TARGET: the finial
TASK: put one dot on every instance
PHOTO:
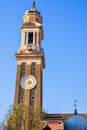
(75, 105)
(33, 4)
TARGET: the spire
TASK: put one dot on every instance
(33, 8)
(33, 5)
(75, 105)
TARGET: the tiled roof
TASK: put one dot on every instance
(60, 116)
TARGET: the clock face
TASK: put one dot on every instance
(28, 82)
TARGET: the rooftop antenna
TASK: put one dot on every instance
(75, 105)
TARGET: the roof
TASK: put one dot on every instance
(32, 10)
(54, 117)
(75, 122)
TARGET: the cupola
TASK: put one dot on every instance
(76, 121)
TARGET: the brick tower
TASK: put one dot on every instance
(30, 61)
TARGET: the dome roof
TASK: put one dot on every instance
(75, 122)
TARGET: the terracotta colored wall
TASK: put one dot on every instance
(56, 126)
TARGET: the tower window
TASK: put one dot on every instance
(32, 97)
(21, 98)
(59, 122)
(23, 67)
(30, 38)
(33, 69)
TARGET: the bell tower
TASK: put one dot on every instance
(30, 60)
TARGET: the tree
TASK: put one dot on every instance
(3, 123)
(21, 117)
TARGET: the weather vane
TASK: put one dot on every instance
(75, 105)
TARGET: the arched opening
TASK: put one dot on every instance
(47, 128)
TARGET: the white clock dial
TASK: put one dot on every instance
(28, 82)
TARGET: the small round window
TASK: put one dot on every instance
(59, 122)
(23, 69)
(32, 97)
(21, 98)
(33, 69)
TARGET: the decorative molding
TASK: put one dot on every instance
(31, 30)
(28, 62)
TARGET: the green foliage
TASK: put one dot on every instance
(33, 119)
(20, 117)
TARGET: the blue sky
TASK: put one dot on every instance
(65, 46)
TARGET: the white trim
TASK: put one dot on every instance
(31, 30)
(23, 39)
(29, 62)
(26, 38)
(34, 38)
(38, 38)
